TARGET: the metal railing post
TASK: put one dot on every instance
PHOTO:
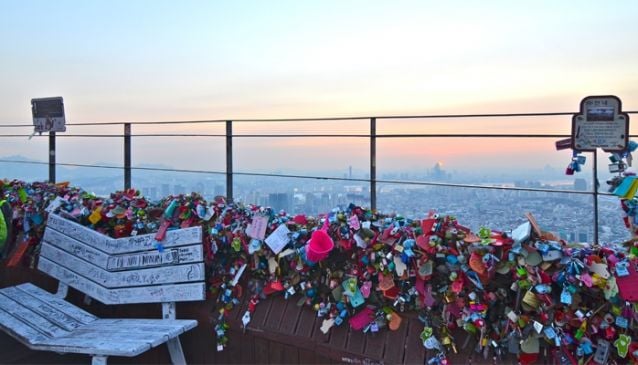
(127, 156)
(52, 157)
(373, 163)
(595, 172)
(229, 160)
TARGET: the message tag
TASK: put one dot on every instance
(238, 274)
(357, 299)
(257, 228)
(549, 332)
(96, 216)
(431, 343)
(622, 322)
(245, 319)
(621, 269)
(361, 243)
(278, 239)
(622, 345)
(530, 345)
(354, 222)
(566, 297)
(361, 319)
(602, 352)
(386, 282)
(55, 204)
(399, 266)
(326, 325)
(600, 269)
(512, 316)
(522, 232)
(538, 327)
(365, 289)
(272, 265)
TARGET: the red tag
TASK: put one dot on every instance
(628, 285)
(161, 233)
(426, 225)
(18, 254)
(361, 319)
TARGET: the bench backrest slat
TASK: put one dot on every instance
(174, 238)
(125, 270)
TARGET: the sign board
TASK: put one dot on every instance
(600, 124)
(48, 115)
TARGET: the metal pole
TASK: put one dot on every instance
(127, 156)
(229, 160)
(373, 163)
(595, 196)
(52, 157)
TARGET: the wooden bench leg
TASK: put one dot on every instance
(176, 352)
(98, 360)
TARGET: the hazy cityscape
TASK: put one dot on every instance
(568, 214)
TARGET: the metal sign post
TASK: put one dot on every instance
(48, 116)
(600, 123)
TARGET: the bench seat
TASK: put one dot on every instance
(129, 270)
(41, 321)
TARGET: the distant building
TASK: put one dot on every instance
(280, 201)
(179, 189)
(580, 184)
(583, 237)
(166, 190)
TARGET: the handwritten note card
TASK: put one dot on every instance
(257, 228)
(278, 239)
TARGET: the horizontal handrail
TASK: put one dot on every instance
(327, 119)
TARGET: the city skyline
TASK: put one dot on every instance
(198, 60)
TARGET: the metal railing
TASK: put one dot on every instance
(373, 136)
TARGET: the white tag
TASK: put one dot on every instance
(361, 243)
(512, 316)
(272, 265)
(286, 252)
(220, 347)
(245, 319)
(431, 343)
(55, 204)
(326, 325)
(278, 239)
(238, 275)
(399, 266)
(538, 327)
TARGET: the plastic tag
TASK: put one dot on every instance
(245, 319)
(399, 266)
(621, 269)
(431, 343)
(96, 216)
(602, 352)
(357, 299)
(55, 204)
(549, 332)
(566, 297)
(622, 322)
(622, 345)
(326, 325)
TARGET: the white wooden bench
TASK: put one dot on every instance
(112, 271)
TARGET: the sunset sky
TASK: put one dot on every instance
(191, 60)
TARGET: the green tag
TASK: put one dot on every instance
(23, 195)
